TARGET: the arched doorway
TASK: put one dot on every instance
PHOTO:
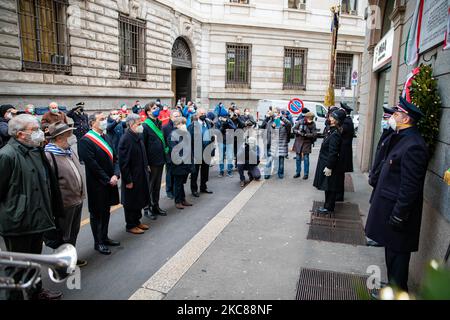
(181, 71)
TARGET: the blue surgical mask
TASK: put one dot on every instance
(156, 113)
(384, 125)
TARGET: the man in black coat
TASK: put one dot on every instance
(346, 152)
(167, 131)
(201, 138)
(157, 152)
(396, 210)
(135, 171)
(330, 169)
(80, 120)
(102, 176)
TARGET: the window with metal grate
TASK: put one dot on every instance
(132, 48)
(44, 36)
(344, 65)
(294, 76)
(238, 65)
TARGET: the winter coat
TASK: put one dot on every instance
(80, 122)
(399, 192)
(114, 131)
(133, 169)
(305, 135)
(278, 138)
(329, 157)
(49, 117)
(27, 191)
(154, 147)
(346, 152)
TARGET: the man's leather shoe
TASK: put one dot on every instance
(47, 295)
(297, 175)
(102, 249)
(206, 191)
(186, 204)
(323, 211)
(195, 194)
(371, 243)
(143, 226)
(161, 212)
(305, 177)
(135, 230)
(179, 206)
(112, 243)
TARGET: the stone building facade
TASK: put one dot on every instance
(110, 52)
(383, 86)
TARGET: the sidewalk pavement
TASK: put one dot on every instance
(255, 247)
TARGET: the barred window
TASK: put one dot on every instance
(349, 7)
(132, 48)
(238, 65)
(344, 65)
(294, 68)
(240, 1)
(297, 4)
(43, 35)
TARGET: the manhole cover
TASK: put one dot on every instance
(317, 284)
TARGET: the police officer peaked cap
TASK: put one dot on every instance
(409, 108)
(346, 107)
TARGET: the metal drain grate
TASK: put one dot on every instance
(344, 226)
(348, 183)
(329, 285)
(343, 210)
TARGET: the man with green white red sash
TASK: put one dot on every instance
(102, 175)
(157, 156)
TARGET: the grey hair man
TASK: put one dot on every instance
(26, 183)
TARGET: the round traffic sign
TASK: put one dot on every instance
(295, 106)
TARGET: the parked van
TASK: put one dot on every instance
(317, 108)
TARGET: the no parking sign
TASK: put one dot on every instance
(295, 106)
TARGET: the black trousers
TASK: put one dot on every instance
(169, 179)
(99, 225)
(330, 200)
(31, 243)
(69, 223)
(178, 188)
(397, 264)
(204, 176)
(132, 217)
(155, 184)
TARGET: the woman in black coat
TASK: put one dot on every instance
(134, 170)
(330, 169)
(181, 161)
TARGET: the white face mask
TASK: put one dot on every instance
(36, 138)
(9, 116)
(103, 124)
(139, 129)
(392, 123)
(71, 140)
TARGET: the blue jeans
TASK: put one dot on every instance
(226, 151)
(298, 161)
(279, 164)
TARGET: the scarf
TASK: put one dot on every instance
(57, 151)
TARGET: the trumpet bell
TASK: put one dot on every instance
(64, 261)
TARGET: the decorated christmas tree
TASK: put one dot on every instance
(425, 95)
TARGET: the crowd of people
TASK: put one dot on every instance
(42, 187)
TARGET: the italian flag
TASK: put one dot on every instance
(413, 40)
(447, 34)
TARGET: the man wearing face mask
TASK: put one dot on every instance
(28, 194)
(29, 109)
(157, 152)
(164, 115)
(115, 128)
(52, 116)
(80, 120)
(134, 170)
(66, 166)
(200, 139)
(167, 131)
(102, 176)
(7, 112)
(395, 213)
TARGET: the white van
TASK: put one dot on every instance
(315, 107)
